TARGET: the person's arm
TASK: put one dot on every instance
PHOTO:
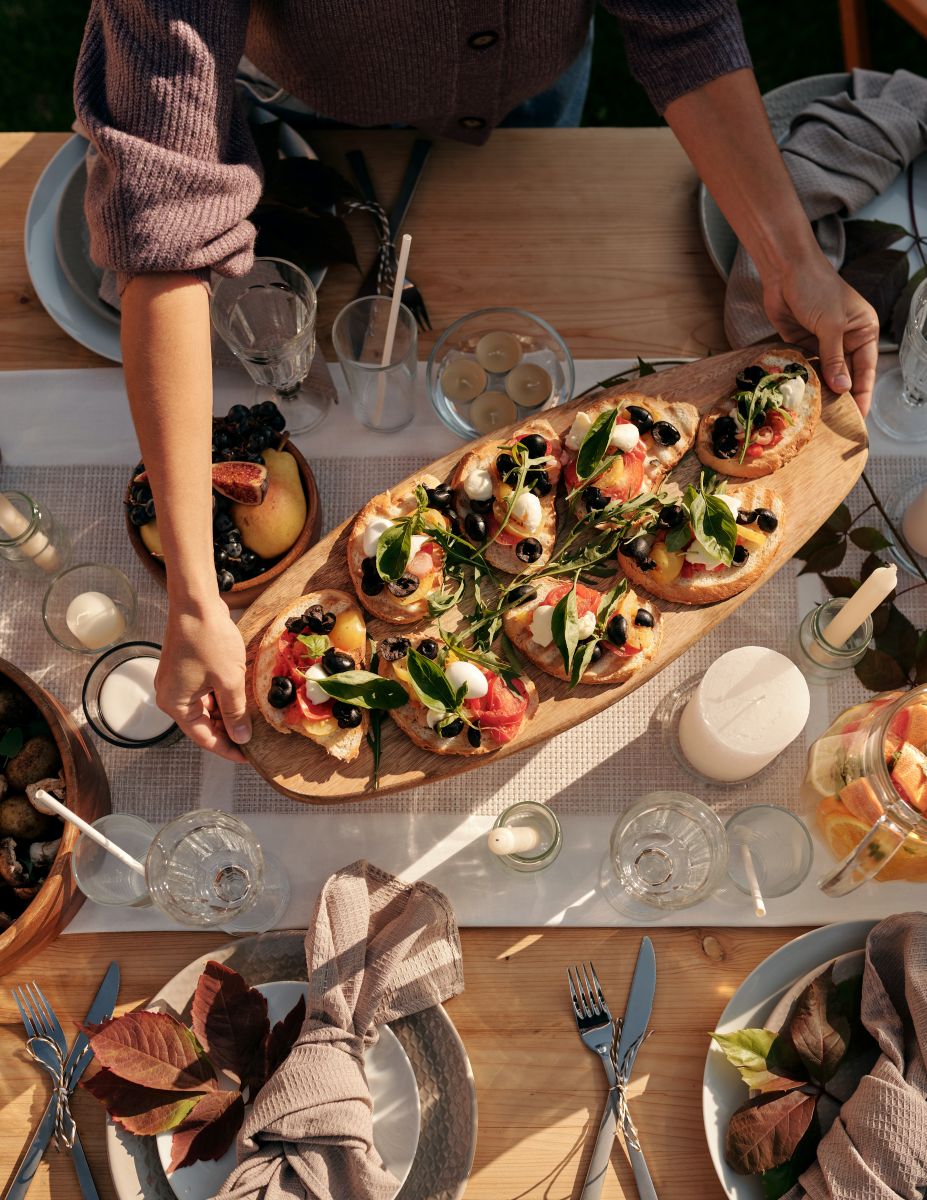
(168, 371)
(724, 129)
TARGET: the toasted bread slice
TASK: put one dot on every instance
(659, 460)
(392, 504)
(343, 744)
(610, 668)
(805, 419)
(504, 556)
(412, 717)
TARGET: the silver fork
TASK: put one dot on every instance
(48, 1046)
(598, 1034)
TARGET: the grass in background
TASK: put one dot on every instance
(39, 40)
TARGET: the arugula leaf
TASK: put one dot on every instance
(364, 689)
(594, 446)
(440, 602)
(421, 497)
(430, 683)
(609, 603)
(375, 732)
(316, 643)
(393, 550)
(581, 660)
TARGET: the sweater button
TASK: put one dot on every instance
(482, 40)
(472, 123)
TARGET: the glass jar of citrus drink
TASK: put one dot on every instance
(866, 790)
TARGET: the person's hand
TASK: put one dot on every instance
(810, 304)
(201, 678)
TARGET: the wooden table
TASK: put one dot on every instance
(607, 248)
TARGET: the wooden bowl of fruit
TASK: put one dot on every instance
(39, 742)
(266, 510)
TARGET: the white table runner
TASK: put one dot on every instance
(67, 438)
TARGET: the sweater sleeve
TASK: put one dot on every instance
(175, 173)
(676, 46)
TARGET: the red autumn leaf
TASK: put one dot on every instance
(765, 1133)
(209, 1130)
(819, 1034)
(152, 1050)
(140, 1110)
(230, 1019)
(282, 1037)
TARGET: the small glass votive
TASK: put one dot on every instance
(31, 539)
(101, 876)
(119, 698)
(89, 608)
(383, 394)
(526, 837)
(818, 660)
(668, 851)
(780, 847)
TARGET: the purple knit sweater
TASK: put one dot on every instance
(176, 173)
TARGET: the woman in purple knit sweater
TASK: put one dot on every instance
(176, 176)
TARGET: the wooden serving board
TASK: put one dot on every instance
(811, 485)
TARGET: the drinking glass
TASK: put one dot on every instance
(119, 699)
(383, 394)
(779, 844)
(668, 851)
(899, 404)
(102, 877)
(267, 319)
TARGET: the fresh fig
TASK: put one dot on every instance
(243, 482)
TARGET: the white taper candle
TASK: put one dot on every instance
(862, 604)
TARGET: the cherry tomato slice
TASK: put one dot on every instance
(587, 599)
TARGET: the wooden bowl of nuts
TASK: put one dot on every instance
(40, 745)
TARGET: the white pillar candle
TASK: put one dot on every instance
(914, 523)
(13, 524)
(751, 703)
(95, 620)
(519, 839)
(529, 385)
(498, 352)
(491, 411)
(462, 380)
(127, 701)
(862, 604)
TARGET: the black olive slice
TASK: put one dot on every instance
(767, 520)
(665, 434)
(404, 586)
(617, 630)
(528, 550)
(741, 554)
(644, 618)
(282, 692)
(640, 417)
(392, 649)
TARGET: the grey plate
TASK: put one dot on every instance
(445, 1081)
(72, 245)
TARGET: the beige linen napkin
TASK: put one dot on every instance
(377, 949)
(877, 1148)
(842, 151)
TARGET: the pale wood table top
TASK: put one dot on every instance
(595, 230)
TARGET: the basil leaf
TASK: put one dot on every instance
(364, 689)
(609, 603)
(316, 643)
(594, 445)
(393, 550)
(564, 625)
(581, 660)
(715, 527)
(677, 539)
(430, 683)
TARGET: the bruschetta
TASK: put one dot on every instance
(506, 494)
(490, 712)
(769, 417)
(316, 636)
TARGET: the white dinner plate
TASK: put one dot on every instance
(752, 1005)
(87, 324)
(393, 1091)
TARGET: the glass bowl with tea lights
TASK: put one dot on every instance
(496, 366)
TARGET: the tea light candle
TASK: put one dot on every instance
(491, 411)
(914, 523)
(529, 385)
(462, 380)
(127, 701)
(498, 352)
(13, 524)
(750, 704)
(95, 620)
(862, 604)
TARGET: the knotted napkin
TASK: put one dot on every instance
(877, 1148)
(842, 152)
(377, 949)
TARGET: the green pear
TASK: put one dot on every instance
(271, 527)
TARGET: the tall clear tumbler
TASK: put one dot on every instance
(383, 394)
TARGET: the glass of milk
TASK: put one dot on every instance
(119, 698)
(90, 608)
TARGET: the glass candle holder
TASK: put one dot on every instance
(31, 539)
(668, 851)
(780, 847)
(102, 877)
(119, 698)
(818, 660)
(89, 608)
(383, 394)
(526, 837)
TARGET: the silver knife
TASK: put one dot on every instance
(100, 1010)
(633, 1030)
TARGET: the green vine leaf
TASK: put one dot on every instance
(899, 640)
(869, 539)
(840, 585)
(818, 541)
(825, 558)
(880, 277)
(864, 237)
(879, 672)
(840, 519)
